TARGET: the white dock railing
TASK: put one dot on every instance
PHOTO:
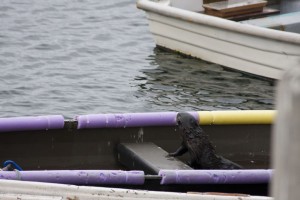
(286, 138)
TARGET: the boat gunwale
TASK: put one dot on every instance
(126, 120)
(64, 191)
(198, 18)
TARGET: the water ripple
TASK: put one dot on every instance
(89, 56)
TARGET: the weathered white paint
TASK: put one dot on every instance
(29, 197)
(286, 148)
(9, 188)
(244, 47)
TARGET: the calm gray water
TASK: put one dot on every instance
(90, 56)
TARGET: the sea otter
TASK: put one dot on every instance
(196, 142)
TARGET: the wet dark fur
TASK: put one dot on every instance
(196, 142)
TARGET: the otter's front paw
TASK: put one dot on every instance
(172, 154)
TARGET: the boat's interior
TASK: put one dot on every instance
(137, 148)
(281, 15)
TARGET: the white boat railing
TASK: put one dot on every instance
(33, 190)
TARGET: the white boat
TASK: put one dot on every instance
(45, 191)
(251, 46)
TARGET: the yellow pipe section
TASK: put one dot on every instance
(227, 117)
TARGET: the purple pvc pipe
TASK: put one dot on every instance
(78, 177)
(128, 120)
(31, 123)
(255, 176)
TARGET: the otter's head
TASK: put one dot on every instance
(186, 122)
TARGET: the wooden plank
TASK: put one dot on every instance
(233, 13)
(265, 12)
(147, 157)
(231, 8)
(210, 1)
(232, 5)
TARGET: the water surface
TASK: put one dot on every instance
(89, 56)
